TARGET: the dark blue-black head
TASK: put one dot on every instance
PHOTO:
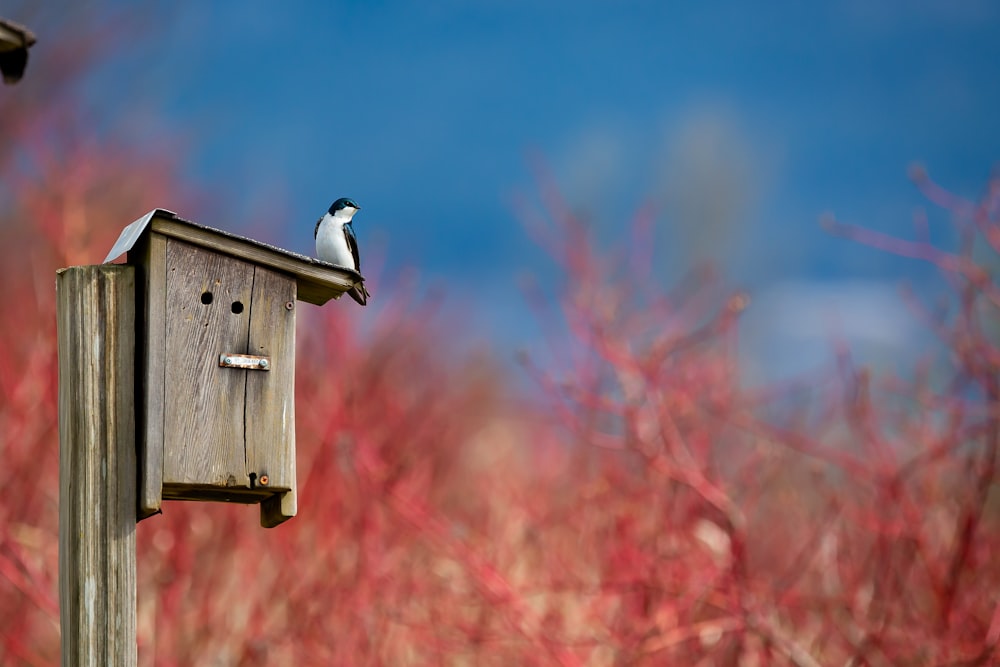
(342, 203)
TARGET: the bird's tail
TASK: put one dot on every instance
(359, 293)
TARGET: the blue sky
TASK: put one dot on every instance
(742, 122)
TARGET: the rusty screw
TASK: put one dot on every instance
(263, 480)
(289, 305)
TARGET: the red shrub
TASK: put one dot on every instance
(647, 509)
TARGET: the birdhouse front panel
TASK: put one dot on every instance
(228, 377)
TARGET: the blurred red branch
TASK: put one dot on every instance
(638, 505)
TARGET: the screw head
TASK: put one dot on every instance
(228, 360)
(263, 363)
(289, 305)
(263, 480)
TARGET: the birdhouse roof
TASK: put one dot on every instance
(318, 281)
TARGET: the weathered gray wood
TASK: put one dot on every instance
(150, 302)
(270, 412)
(203, 442)
(211, 433)
(97, 470)
(270, 408)
(318, 281)
(278, 508)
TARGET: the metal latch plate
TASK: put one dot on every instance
(250, 362)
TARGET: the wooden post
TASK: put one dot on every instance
(97, 469)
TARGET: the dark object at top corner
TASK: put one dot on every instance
(14, 42)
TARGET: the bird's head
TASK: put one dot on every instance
(344, 206)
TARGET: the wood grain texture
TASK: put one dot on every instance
(270, 408)
(211, 433)
(150, 258)
(97, 468)
(318, 282)
(203, 404)
(270, 413)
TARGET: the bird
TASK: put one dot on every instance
(337, 244)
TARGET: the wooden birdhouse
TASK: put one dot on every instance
(215, 362)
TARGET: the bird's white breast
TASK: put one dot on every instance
(331, 244)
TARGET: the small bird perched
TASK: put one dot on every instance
(336, 243)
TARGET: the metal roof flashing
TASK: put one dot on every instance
(133, 232)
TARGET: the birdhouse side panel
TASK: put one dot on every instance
(207, 314)
(149, 258)
(270, 413)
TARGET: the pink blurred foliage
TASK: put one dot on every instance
(641, 506)
(856, 529)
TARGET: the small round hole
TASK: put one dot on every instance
(206, 298)
(237, 307)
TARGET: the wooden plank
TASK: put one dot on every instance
(270, 413)
(318, 281)
(151, 292)
(278, 508)
(207, 313)
(97, 499)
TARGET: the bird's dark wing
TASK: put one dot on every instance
(316, 230)
(358, 292)
(352, 243)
